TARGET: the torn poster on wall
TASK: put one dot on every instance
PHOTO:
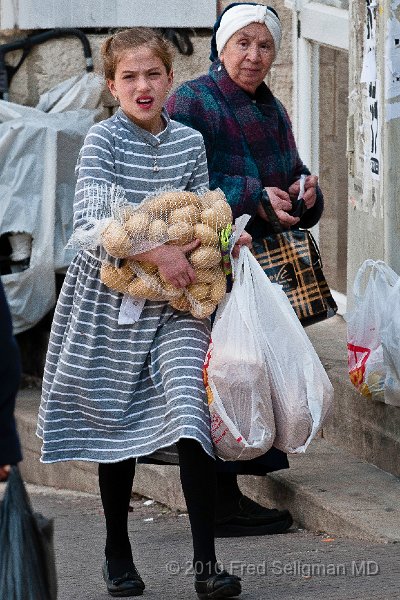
(369, 77)
(392, 58)
(392, 64)
(368, 73)
(375, 138)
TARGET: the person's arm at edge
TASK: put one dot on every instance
(10, 449)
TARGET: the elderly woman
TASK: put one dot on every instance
(250, 148)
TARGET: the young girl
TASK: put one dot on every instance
(111, 392)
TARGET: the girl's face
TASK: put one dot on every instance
(141, 84)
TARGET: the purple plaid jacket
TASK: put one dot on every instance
(231, 123)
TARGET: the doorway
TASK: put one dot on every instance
(321, 110)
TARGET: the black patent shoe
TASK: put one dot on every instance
(128, 584)
(222, 585)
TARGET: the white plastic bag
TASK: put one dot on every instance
(301, 392)
(81, 91)
(373, 285)
(235, 375)
(390, 336)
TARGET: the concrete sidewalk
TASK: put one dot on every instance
(298, 565)
(327, 489)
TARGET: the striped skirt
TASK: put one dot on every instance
(112, 392)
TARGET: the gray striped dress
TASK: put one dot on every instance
(110, 391)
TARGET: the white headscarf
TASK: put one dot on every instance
(240, 16)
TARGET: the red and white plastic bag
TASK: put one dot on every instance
(265, 382)
(369, 319)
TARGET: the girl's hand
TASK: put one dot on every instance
(245, 239)
(281, 203)
(172, 263)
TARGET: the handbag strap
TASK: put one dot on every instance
(298, 210)
(269, 211)
(277, 227)
(315, 247)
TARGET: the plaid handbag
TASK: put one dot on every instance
(292, 259)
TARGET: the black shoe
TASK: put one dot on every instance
(222, 585)
(129, 584)
(253, 519)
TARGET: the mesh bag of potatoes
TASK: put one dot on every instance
(172, 217)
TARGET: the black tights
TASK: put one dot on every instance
(197, 472)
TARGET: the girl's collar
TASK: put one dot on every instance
(149, 138)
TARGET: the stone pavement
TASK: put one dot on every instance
(298, 565)
(327, 489)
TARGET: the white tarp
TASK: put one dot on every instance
(38, 153)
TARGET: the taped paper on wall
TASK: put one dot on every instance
(392, 58)
(368, 73)
(375, 138)
(369, 76)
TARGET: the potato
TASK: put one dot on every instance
(181, 304)
(188, 214)
(116, 278)
(218, 290)
(207, 236)
(126, 268)
(172, 292)
(199, 291)
(224, 207)
(164, 203)
(161, 204)
(153, 280)
(211, 197)
(140, 289)
(137, 224)
(204, 258)
(204, 309)
(180, 233)
(147, 267)
(186, 198)
(205, 275)
(158, 231)
(215, 218)
(115, 240)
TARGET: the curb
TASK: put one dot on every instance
(326, 489)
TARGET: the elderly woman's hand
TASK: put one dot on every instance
(245, 239)
(310, 191)
(281, 203)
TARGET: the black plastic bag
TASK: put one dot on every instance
(27, 565)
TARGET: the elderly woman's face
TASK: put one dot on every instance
(248, 55)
